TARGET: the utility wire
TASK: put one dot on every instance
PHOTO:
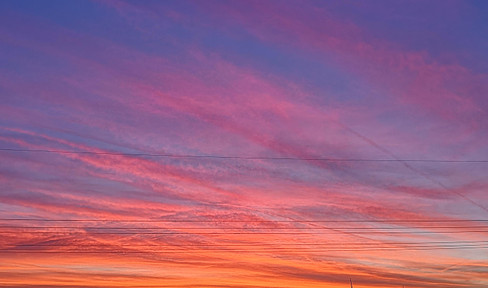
(122, 252)
(241, 228)
(243, 221)
(266, 245)
(246, 233)
(236, 157)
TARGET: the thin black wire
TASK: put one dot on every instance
(259, 250)
(268, 245)
(242, 221)
(246, 233)
(367, 249)
(241, 228)
(253, 247)
(195, 156)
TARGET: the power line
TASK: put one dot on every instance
(247, 233)
(236, 157)
(167, 248)
(367, 249)
(243, 221)
(241, 228)
(278, 245)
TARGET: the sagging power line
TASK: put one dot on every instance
(237, 157)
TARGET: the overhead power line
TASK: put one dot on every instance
(244, 232)
(274, 247)
(274, 250)
(237, 157)
(242, 228)
(269, 245)
(245, 221)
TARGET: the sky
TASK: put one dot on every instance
(243, 144)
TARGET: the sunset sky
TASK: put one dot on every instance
(243, 144)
